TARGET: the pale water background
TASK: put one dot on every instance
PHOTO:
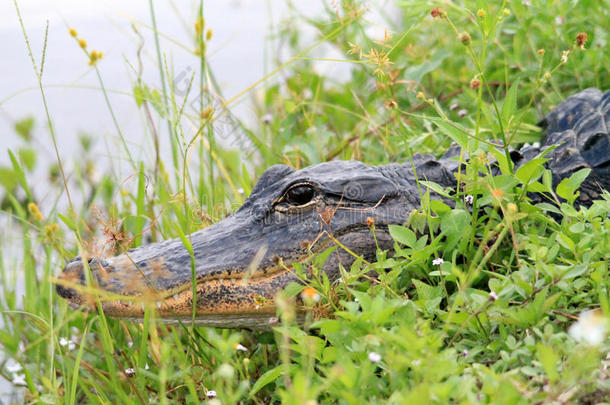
(243, 48)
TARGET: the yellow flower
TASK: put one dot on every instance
(481, 13)
(82, 43)
(199, 24)
(208, 34)
(73, 32)
(206, 112)
(33, 208)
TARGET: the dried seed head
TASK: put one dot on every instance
(581, 40)
(391, 103)
(541, 51)
(475, 83)
(437, 12)
(465, 38)
(370, 222)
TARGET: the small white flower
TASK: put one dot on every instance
(240, 190)
(564, 56)
(462, 113)
(374, 357)
(12, 366)
(65, 342)
(493, 296)
(590, 328)
(267, 118)
(438, 261)
(454, 106)
(526, 3)
(19, 379)
(465, 353)
(240, 347)
(211, 394)
(469, 199)
(307, 94)
(129, 344)
(130, 372)
(146, 366)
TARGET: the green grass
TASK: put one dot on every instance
(488, 325)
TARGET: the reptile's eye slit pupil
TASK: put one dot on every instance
(300, 195)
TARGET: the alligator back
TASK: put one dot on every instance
(580, 125)
(580, 129)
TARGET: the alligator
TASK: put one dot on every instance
(240, 263)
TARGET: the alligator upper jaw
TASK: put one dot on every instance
(236, 273)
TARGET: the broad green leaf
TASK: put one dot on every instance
(267, 378)
(402, 235)
(458, 134)
(530, 171)
(24, 128)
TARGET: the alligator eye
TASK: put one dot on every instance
(300, 195)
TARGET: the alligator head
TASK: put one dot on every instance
(241, 262)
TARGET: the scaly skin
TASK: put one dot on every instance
(244, 260)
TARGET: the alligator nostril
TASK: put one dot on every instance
(72, 273)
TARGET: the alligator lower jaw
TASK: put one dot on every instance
(229, 302)
(257, 321)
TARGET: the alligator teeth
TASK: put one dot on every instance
(159, 303)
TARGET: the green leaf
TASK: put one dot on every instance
(510, 103)
(417, 71)
(20, 175)
(67, 221)
(458, 134)
(548, 359)
(402, 235)
(567, 188)
(455, 225)
(8, 180)
(427, 292)
(24, 128)
(267, 378)
(531, 171)
(436, 188)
